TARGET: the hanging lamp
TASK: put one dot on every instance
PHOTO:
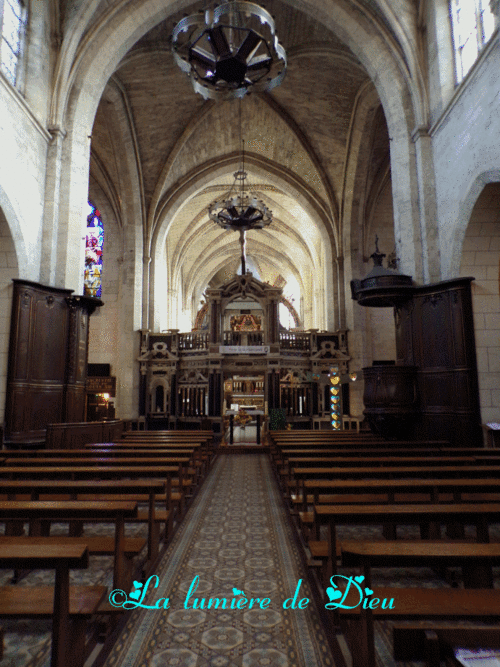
(240, 209)
(230, 51)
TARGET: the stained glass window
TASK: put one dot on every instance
(93, 253)
(473, 25)
(12, 29)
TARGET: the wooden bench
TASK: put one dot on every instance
(93, 460)
(89, 472)
(101, 462)
(330, 492)
(476, 560)
(116, 511)
(434, 642)
(135, 490)
(481, 515)
(109, 450)
(82, 472)
(432, 604)
(69, 606)
(374, 463)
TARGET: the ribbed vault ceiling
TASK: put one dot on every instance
(185, 151)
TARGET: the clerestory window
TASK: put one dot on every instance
(473, 24)
(13, 18)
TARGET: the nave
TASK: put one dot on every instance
(236, 537)
(236, 534)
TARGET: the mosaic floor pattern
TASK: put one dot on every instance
(235, 544)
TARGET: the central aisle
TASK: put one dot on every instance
(235, 537)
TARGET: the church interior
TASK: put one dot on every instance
(249, 341)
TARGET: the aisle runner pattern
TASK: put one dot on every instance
(235, 536)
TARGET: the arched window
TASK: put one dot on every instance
(93, 253)
(473, 25)
(13, 18)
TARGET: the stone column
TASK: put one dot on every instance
(428, 208)
(51, 209)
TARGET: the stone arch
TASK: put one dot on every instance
(205, 175)
(9, 268)
(464, 214)
(480, 260)
(84, 70)
(292, 310)
(30, 269)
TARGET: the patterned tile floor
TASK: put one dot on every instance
(235, 539)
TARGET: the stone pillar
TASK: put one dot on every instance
(341, 310)
(73, 197)
(51, 209)
(406, 204)
(428, 208)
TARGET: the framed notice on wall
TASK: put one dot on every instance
(101, 385)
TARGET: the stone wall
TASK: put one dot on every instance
(480, 259)
(466, 154)
(8, 270)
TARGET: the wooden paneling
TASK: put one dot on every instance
(47, 360)
(75, 436)
(435, 333)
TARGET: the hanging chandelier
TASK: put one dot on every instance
(230, 51)
(240, 209)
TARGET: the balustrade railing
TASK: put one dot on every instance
(193, 341)
(295, 341)
(243, 337)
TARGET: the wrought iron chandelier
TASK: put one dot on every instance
(240, 209)
(230, 51)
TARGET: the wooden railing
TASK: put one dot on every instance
(76, 435)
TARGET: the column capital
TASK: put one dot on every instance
(56, 132)
(421, 132)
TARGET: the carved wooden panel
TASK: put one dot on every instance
(445, 352)
(47, 360)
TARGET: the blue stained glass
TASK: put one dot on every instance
(93, 253)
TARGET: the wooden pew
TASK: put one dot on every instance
(94, 460)
(95, 450)
(135, 490)
(293, 463)
(116, 511)
(82, 472)
(476, 560)
(69, 607)
(188, 433)
(102, 462)
(375, 491)
(88, 472)
(480, 514)
(434, 642)
(422, 604)
(396, 472)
